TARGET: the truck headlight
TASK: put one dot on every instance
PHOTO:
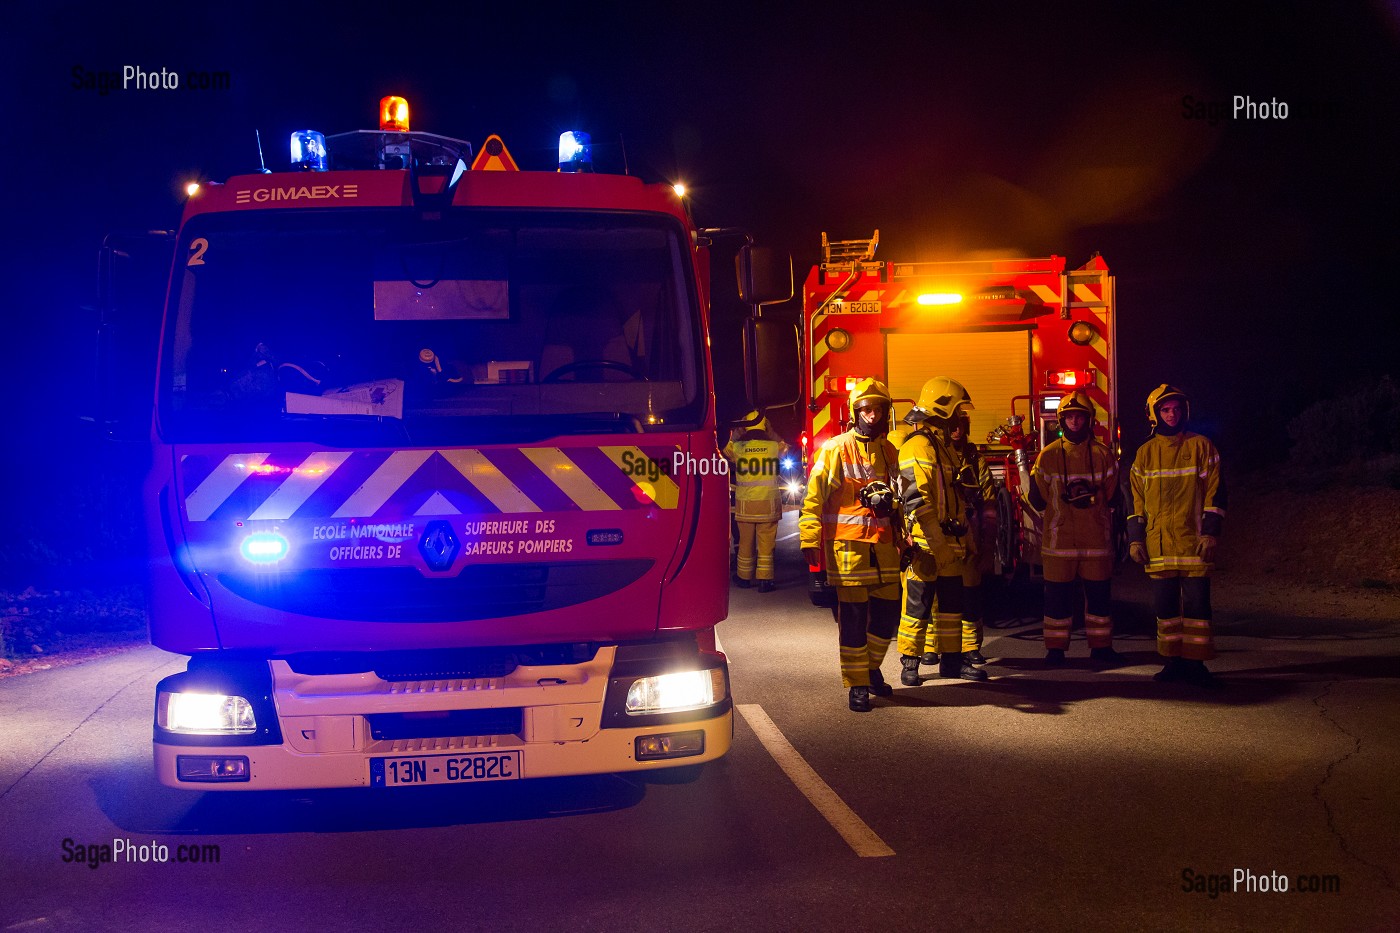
(674, 693)
(205, 714)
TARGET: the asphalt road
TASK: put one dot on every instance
(1041, 800)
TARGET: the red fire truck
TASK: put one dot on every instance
(1018, 333)
(435, 493)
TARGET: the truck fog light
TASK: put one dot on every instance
(673, 693)
(205, 714)
(673, 745)
(211, 770)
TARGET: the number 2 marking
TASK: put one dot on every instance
(197, 248)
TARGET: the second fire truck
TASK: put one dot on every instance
(1018, 333)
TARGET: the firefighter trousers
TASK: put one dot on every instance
(866, 618)
(1182, 606)
(1062, 598)
(972, 608)
(763, 535)
(933, 592)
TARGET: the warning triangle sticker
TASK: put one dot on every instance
(494, 157)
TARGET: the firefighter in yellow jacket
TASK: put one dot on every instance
(755, 459)
(847, 526)
(1178, 508)
(935, 515)
(1073, 483)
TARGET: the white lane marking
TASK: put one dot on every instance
(793, 535)
(842, 818)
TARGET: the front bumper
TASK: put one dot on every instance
(330, 727)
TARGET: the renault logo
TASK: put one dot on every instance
(439, 546)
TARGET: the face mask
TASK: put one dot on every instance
(1078, 494)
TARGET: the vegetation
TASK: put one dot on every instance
(1352, 439)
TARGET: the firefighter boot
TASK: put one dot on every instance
(930, 658)
(765, 586)
(878, 687)
(860, 699)
(741, 583)
(975, 656)
(1106, 655)
(1055, 657)
(909, 670)
(1171, 670)
(952, 664)
(1196, 674)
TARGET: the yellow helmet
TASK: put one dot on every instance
(1078, 400)
(760, 425)
(941, 398)
(1161, 394)
(870, 392)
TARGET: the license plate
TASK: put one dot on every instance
(444, 769)
(853, 307)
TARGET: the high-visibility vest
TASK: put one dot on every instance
(756, 467)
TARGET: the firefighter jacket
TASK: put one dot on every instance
(860, 547)
(1178, 496)
(978, 556)
(1062, 469)
(935, 514)
(755, 463)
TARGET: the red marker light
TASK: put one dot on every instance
(1068, 378)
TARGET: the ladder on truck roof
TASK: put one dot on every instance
(843, 254)
(849, 256)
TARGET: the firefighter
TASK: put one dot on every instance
(848, 520)
(1178, 509)
(935, 515)
(1072, 483)
(755, 459)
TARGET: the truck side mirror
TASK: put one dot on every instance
(133, 269)
(765, 275)
(772, 357)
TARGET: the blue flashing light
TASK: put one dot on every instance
(789, 463)
(263, 547)
(575, 152)
(308, 151)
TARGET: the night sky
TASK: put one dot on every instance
(1254, 257)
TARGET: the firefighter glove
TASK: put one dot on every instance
(1205, 548)
(1138, 552)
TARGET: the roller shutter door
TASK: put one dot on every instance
(995, 366)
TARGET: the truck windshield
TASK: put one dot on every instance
(381, 327)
